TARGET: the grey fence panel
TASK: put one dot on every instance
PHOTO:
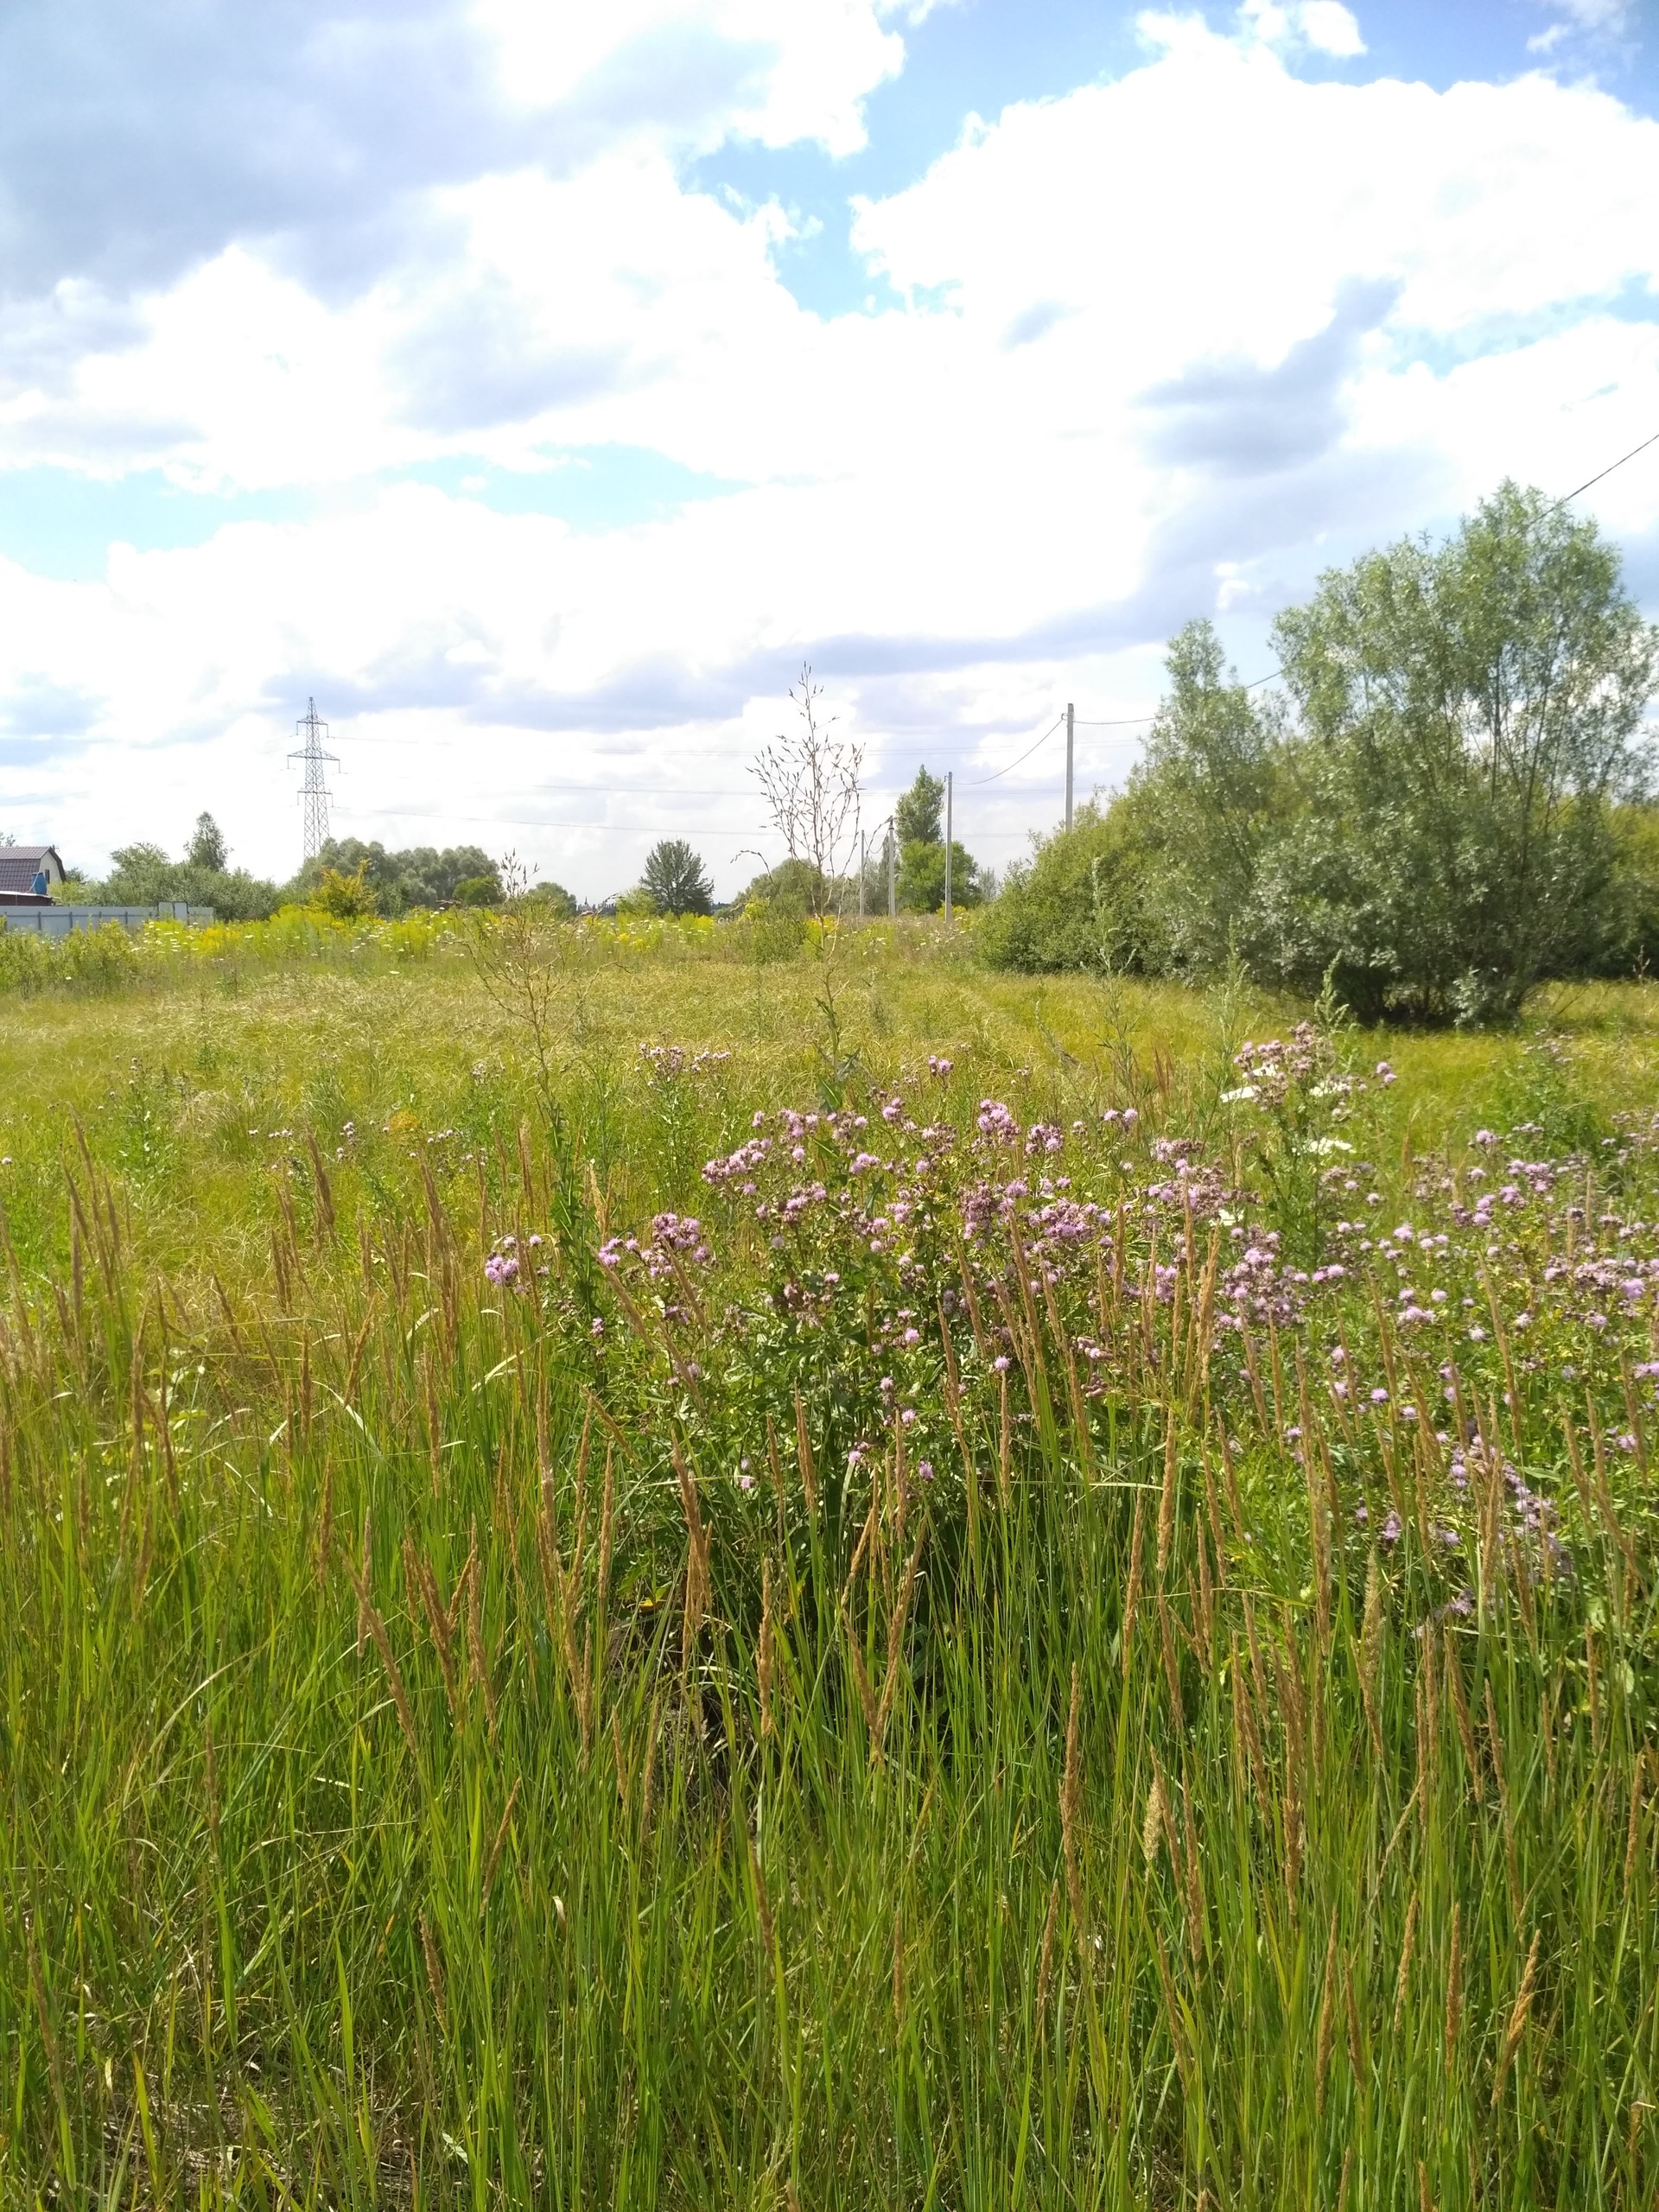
(59, 921)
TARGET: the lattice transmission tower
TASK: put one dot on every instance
(313, 792)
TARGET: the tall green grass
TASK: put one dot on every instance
(440, 1769)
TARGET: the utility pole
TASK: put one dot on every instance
(863, 862)
(313, 792)
(893, 874)
(1070, 714)
(947, 844)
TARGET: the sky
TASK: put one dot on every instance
(539, 387)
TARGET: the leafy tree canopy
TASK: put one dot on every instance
(1437, 811)
(917, 817)
(921, 877)
(420, 875)
(207, 847)
(677, 880)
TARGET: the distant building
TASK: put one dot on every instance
(29, 874)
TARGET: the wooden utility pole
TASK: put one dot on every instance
(1070, 714)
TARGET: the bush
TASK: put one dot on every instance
(1081, 901)
(1443, 812)
(344, 898)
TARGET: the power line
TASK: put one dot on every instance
(1619, 463)
(315, 793)
(631, 829)
(1136, 721)
(1013, 764)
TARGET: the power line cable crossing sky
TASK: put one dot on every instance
(617, 363)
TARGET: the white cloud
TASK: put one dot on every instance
(1329, 26)
(1204, 328)
(806, 64)
(1325, 25)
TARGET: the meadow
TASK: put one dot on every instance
(612, 1595)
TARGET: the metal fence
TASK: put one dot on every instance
(59, 921)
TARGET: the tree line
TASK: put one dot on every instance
(347, 877)
(1446, 800)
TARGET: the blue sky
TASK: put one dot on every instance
(538, 386)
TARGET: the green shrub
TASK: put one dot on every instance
(1084, 899)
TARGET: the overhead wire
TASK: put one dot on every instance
(980, 780)
(1079, 721)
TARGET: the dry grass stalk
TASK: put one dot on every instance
(861, 1683)
(1402, 1981)
(1132, 1590)
(370, 1613)
(1157, 1813)
(1244, 1728)
(1192, 1877)
(765, 1656)
(1370, 1648)
(1005, 1447)
(500, 1844)
(1205, 1629)
(1356, 2038)
(1172, 2008)
(434, 1971)
(559, 1588)
(1459, 1704)
(1166, 1499)
(322, 1192)
(1327, 2020)
(1072, 1813)
(1518, 2014)
(649, 1783)
(896, 1631)
(1045, 1959)
(478, 1657)
(1634, 1835)
(762, 1903)
(1172, 1662)
(696, 1557)
(419, 1578)
(804, 1454)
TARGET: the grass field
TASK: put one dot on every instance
(601, 1608)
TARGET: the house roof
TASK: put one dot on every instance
(20, 864)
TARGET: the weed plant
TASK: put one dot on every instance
(1074, 1627)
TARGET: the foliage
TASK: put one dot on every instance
(1469, 711)
(921, 878)
(552, 900)
(677, 880)
(794, 887)
(1434, 815)
(208, 848)
(419, 876)
(956, 1668)
(1082, 900)
(346, 898)
(918, 819)
(142, 875)
(479, 890)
